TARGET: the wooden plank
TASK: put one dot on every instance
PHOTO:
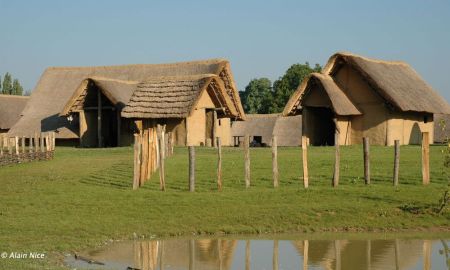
(144, 157)
(41, 143)
(23, 144)
(427, 254)
(396, 161)
(31, 148)
(36, 142)
(275, 162)
(247, 254)
(16, 145)
(219, 163)
(305, 161)
(366, 154)
(425, 158)
(191, 168)
(1, 145)
(305, 254)
(150, 153)
(99, 119)
(137, 165)
(247, 160)
(9, 145)
(337, 160)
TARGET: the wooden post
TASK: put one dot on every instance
(305, 254)
(9, 145)
(36, 142)
(137, 161)
(366, 152)
(191, 168)
(425, 158)
(16, 145)
(162, 181)
(46, 140)
(337, 253)
(150, 153)
(275, 161)
(99, 118)
(247, 255)
(219, 164)
(161, 255)
(369, 254)
(31, 148)
(214, 131)
(337, 159)
(396, 161)
(305, 161)
(1, 145)
(54, 141)
(275, 255)
(397, 254)
(247, 160)
(119, 128)
(144, 155)
(41, 143)
(23, 144)
(219, 250)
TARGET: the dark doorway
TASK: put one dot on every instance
(320, 125)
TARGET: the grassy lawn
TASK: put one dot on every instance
(83, 198)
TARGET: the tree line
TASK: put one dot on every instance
(261, 96)
(10, 86)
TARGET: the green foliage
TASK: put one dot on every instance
(257, 96)
(17, 89)
(7, 84)
(11, 86)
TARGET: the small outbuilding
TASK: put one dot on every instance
(11, 107)
(262, 127)
(360, 97)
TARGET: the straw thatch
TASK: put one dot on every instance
(441, 128)
(287, 129)
(340, 103)
(10, 110)
(174, 97)
(396, 82)
(58, 85)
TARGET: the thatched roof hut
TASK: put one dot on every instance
(11, 107)
(261, 128)
(359, 96)
(64, 90)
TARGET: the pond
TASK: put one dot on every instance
(274, 254)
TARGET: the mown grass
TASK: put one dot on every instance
(83, 198)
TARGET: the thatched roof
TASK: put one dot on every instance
(11, 107)
(287, 129)
(340, 103)
(175, 97)
(441, 128)
(396, 82)
(58, 85)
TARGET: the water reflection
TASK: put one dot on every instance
(230, 254)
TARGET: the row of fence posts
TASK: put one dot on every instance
(15, 149)
(151, 147)
(336, 173)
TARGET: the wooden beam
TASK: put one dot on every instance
(425, 158)
(99, 119)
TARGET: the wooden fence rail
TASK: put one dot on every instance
(21, 149)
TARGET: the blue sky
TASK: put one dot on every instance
(260, 38)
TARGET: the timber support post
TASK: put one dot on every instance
(366, 151)
(337, 160)
(425, 158)
(162, 180)
(305, 161)
(396, 161)
(219, 164)
(275, 162)
(191, 168)
(247, 160)
(137, 161)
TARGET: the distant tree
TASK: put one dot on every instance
(288, 83)
(7, 84)
(257, 96)
(27, 93)
(17, 89)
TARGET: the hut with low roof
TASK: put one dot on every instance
(361, 97)
(11, 107)
(84, 105)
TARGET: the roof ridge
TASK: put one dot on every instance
(206, 61)
(375, 60)
(179, 77)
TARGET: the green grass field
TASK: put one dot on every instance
(83, 198)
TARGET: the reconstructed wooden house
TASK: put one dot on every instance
(84, 105)
(11, 107)
(361, 97)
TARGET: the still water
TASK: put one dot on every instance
(278, 254)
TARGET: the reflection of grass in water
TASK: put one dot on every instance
(84, 196)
